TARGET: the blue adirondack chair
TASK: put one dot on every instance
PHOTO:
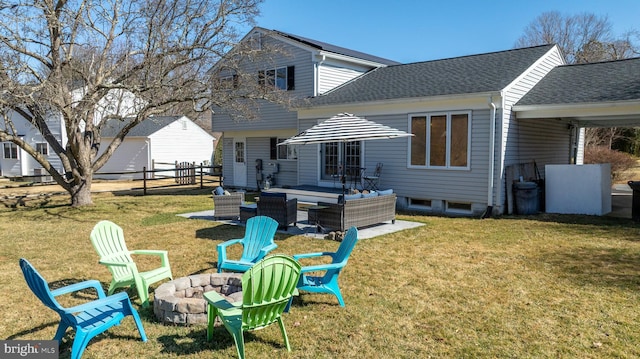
(267, 288)
(328, 283)
(88, 319)
(256, 243)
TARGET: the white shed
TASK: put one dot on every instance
(162, 140)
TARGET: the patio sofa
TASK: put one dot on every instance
(358, 211)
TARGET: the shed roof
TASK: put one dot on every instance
(460, 75)
(143, 129)
(587, 83)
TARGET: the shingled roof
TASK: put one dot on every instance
(587, 83)
(143, 129)
(336, 49)
(460, 75)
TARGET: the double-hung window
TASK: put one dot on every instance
(10, 150)
(42, 148)
(282, 78)
(441, 140)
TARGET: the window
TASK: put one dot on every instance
(42, 148)
(10, 150)
(440, 140)
(239, 155)
(287, 152)
(281, 78)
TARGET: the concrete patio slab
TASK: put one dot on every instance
(303, 227)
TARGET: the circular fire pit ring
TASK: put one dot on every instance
(181, 300)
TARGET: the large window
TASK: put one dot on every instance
(441, 140)
(282, 78)
(10, 150)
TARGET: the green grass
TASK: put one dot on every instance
(513, 287)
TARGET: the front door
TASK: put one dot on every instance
(240, 162)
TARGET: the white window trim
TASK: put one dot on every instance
(448, 115)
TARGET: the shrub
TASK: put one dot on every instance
(620, 161)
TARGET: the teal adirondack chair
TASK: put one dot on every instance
(88, 319)
(257, 243)
(108, 240)
(267, 288)
(328, 283)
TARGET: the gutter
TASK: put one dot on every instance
(492, 145)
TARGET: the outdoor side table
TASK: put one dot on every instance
(247, 211)
(313, 216)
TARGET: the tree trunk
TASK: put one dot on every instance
(81, 193)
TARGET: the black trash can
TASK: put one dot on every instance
(527, 199)
(635, 202)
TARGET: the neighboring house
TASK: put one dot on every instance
(157, 142)
(15, 162)
(473, 118)
(305, 68)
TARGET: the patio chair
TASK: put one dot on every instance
(88, 319)
(328, 282)
(256, 244)
(267, 288)
(276, 206)
(227, 206)
(373, 181)
(108, 240)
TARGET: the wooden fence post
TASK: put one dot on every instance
(144, 181)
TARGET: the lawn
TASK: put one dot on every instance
(512, 287)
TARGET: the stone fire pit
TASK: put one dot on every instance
(180, 301)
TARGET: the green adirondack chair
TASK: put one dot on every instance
(108, 240)
(267, 288)
(256, 244)
(328, 282)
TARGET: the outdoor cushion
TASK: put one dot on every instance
(219, 191)
(385, 192)
(370, 194)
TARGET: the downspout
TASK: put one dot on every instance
(492, 147)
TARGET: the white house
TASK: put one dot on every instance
(157, 141)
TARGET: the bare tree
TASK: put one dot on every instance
(583, 38)
(85, 62)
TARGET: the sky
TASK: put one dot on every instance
(420, 30)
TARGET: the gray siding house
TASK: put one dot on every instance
(311, 68)
(474, 119)
(465, 133)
